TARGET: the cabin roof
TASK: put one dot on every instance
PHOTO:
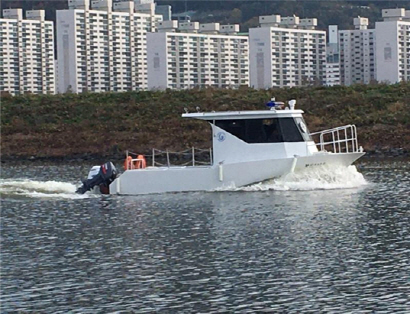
(254, 114)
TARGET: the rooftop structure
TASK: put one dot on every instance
(399, 14)
(360, 22)
(276, 20)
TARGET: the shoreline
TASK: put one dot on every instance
(387, 154)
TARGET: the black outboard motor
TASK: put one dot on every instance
(103, 179)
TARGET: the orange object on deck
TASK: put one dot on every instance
(128, 163)
(140, 163)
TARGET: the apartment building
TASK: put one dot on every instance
(104, 48)
(393, 46)
(27, 53)
(332, 67)
(197, 55)
(332, 70)
(286, 52)
(357, 53)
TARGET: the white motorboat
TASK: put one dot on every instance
(247, 147)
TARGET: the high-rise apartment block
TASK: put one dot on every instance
(286, 52)
(198, 55)
(104, 48)
(393, 46)
(332, 67)
(27, 53)
(357, 53)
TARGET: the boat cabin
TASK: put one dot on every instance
(260, 128)
(258, 134)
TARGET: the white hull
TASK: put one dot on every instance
(208, 178)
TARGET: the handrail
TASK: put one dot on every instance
(133, 160)
(342, 139)
(337, 128)
(170, 157)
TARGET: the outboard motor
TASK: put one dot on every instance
(103, 178)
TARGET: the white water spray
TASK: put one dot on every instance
(315, 178)
(39, 189)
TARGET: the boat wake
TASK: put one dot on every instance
(318, 178)
(38, 189)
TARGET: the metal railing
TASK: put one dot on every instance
(165, 158)
(342, 139)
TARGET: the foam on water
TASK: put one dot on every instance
(39, 189)
(315, 178)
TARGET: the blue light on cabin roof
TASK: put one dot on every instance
(273, 104)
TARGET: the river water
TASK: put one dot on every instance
(325, 241)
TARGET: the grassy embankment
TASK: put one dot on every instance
(106, 124)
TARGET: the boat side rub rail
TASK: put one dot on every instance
(342, 139)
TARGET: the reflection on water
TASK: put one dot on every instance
(339, 250)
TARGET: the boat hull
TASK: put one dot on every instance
(207, 178)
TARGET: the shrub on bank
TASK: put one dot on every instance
(94, 123)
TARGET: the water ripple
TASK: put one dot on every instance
(322, 251)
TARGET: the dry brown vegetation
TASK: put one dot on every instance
(107, 124)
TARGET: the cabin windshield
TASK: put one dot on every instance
(272, 130)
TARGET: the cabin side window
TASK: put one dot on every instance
(272, 130)
(290, 130)
(235, 127)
